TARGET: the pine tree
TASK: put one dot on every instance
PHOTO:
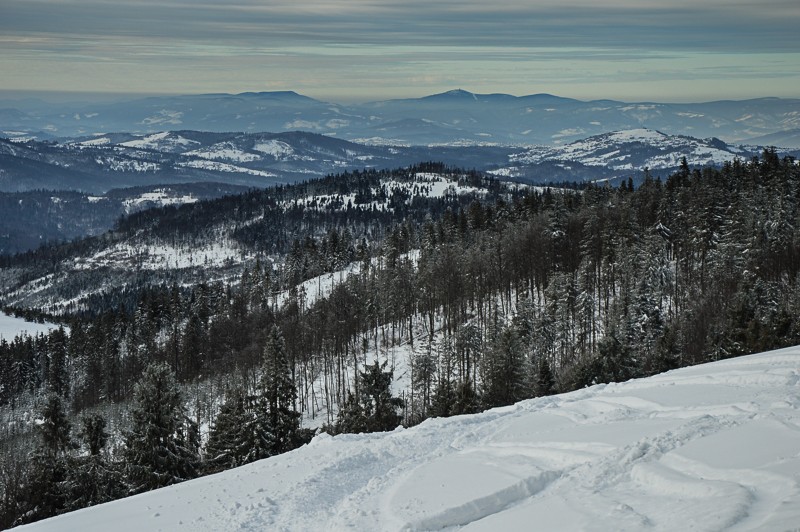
(504, 371)
(155, 452)
(92, 479)
(44, 492)
(94, 433)
(55, 427)
(380, 408)
(545, 382)
(373, 409)
(276, 422)
(230, 439)
(57, 374)
(351, 418)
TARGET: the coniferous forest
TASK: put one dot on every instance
(479, 301)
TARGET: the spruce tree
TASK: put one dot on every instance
(276, 423)
(156, 452)
(504, 375)
(45, 493)
(94, 433)
(380, 408)
(545, 382)
(55, 427)
(230, 439)
(373, 409)
(351, 418)
(93, 479)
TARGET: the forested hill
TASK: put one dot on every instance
(465, 297)
(321, 224)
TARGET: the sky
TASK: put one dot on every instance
(363, 50)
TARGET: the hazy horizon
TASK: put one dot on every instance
(82, 97)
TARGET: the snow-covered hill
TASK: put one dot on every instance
(212, 248)
(628, 150)
(98, 163)
(713, 447)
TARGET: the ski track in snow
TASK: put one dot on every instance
(711, 447)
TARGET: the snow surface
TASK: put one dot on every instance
(11, 327)
(710, 447)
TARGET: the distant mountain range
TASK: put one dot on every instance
(97, 164)
(455, 117)
(61, 190)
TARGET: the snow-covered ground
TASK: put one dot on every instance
(11, 327)
(705, 448)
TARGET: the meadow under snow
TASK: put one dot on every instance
(710, 447)
(11, 327)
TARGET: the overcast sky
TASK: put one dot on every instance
(345, 50)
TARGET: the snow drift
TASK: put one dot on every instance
(710, 447)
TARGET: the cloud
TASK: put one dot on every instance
(721, 24)
(142, 42)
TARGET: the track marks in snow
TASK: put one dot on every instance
(707, 448)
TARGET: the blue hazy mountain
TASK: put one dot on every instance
(453, 117)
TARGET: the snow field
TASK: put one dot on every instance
(712, 447)
(11, 327)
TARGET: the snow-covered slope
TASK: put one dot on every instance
(713, 447)
(634, 149)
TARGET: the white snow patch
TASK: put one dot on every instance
(224, 167)
(159, 197)
(274, 148)
(224, 151)
(100, 141)
(164, 141)
(210, 254)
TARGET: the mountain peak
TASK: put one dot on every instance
(460, 94)
(276, 95)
